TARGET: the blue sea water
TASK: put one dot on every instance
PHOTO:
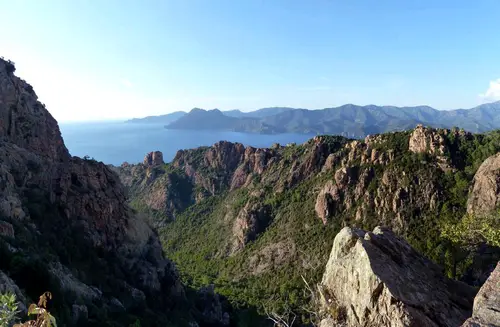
(116, 142)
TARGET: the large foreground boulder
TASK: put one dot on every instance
(377, 279)
(485, 194)
(486, 311)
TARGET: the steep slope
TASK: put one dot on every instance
(65, 227)
(255, 221)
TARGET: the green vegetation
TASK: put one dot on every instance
(473, 230)
(425, 204)
(9, 312)
(8, 309)
(199, 240)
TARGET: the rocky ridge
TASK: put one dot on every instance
(65, 225)
(196, 174)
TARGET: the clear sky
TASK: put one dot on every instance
(101, 59)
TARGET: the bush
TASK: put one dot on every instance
(8, 309)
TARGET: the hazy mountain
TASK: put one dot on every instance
(260, 113)
(162, 119)
(216, 120)
(348, 120)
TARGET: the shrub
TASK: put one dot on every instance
(43, 316)
(8, 309)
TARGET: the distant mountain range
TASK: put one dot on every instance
(348, 120)
(163, 119)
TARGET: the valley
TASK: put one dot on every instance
(256, 223)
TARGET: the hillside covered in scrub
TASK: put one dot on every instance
(259, 223)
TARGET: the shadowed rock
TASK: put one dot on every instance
(486, 312)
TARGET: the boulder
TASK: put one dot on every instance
(486, 312)
(378, 279)
(485, 194)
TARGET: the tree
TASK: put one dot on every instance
(473, 230)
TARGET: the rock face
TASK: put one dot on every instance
(485, 194)
(24, 121)
(207, 171)
(75, 211)
(153, 159)
(377, 279)
(426, 140)
(486, 312)
(251, 220)
(363, 182)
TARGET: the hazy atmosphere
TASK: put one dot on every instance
(93, 60)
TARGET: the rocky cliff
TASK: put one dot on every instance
(65, 226)
(255, 221)
(378, 279)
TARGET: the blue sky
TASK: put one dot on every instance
(102, 59)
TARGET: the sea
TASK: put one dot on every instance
(118, 142)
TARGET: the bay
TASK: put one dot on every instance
(117, 142)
